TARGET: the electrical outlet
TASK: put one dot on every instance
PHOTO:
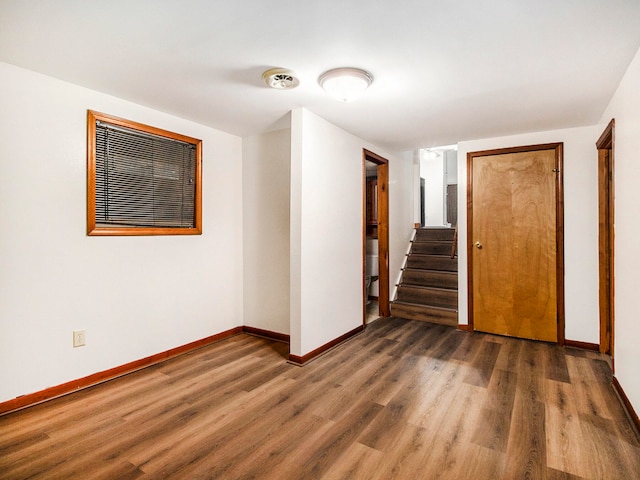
(79, 338)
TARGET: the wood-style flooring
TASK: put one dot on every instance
(402, 400)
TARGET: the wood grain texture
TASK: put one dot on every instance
(515, 223)
(403, 400)
(606, 245)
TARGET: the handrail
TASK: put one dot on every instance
(454, 246)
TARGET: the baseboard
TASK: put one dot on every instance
(301, 360)
(28, 400)
(259, 332)
(583, 345)
(466, 328)
(633, 416)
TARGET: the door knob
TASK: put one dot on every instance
(478, 245)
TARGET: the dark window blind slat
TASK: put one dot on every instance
(143, 180)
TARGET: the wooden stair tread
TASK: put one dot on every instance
(427, 287)
(420, 305)
(430, 270)
(425, 313)
(423, 240)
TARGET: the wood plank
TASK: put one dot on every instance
(425, 313)
(335, 441)
(483, 365)
(556, 364)
(402, 399)
(359, 461)
(492, 429)
(430, 278)
(441, 297)
(527, 451)
(433, 262)
(566, 452)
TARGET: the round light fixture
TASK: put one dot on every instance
(345, 83)
(280, 79)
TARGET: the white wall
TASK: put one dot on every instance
(580, 224)
(327, 232)
(135, 296)
(266, 191)
(625, 109)
(401, 219)
(451, 160)
(432, 170)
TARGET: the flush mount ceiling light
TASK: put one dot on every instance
(280, 79)
(345, 83)
(430, 154)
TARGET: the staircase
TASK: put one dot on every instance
(428, 289)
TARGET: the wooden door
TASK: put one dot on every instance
(515, 252)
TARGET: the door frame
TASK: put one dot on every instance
(558, 148)
(606, 284)
(383, 232)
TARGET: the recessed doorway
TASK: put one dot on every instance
(375, 234)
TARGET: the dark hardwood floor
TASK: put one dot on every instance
(403, 400)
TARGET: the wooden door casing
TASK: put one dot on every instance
(382, 230)
(605, 146)
(515, 254)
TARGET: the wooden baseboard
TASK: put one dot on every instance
(583, 345)
(259, 332)
(90, 380)
(633, 416)
(466, 328)
(301, 360)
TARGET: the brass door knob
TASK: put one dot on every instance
(478, 245)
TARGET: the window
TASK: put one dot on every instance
(141, 180)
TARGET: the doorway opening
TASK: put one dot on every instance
(375, 236)
(438, 186)
(605, 146)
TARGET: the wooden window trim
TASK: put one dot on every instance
(95, 230)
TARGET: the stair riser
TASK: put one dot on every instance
(428, 296)
(433, 263)
(424, 314)
(435, 234)
(430, 279)
(431, 248)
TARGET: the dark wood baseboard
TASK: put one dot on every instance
(633, 416)
(301, 360)
(583, 345)
(466, 328)
(259, 332)
(99, 377)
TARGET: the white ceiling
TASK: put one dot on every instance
(445, 71)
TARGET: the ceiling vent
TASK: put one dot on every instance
(280, 79)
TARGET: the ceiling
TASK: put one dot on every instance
(444, 71)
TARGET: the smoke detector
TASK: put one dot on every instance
(280, 79)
